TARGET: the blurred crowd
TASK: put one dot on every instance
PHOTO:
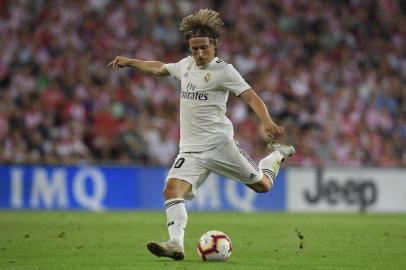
(333, 73)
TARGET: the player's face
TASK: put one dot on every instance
(202, 50)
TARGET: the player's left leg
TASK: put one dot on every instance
(270, 166)
(232, 162)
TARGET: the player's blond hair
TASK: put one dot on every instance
(203, 23)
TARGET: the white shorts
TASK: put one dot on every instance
(227, 160)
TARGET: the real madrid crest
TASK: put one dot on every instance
(207, 77)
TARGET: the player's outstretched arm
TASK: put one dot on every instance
(149, 67)
(258, 106)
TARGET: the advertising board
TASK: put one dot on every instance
(121, 188)
(346, 190)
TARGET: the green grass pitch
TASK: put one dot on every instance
(116, 240)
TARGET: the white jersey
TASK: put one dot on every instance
(204, 93)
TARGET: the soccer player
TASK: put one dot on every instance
(206, 134)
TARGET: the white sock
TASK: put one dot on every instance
(177, 219)
(270, 165)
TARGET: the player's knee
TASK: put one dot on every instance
(260, 187)
(169, 192)
(176, 188)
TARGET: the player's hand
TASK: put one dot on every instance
(118, 62)
(272, 130)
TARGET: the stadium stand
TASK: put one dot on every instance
(333, 73)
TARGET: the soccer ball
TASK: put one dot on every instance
(214, 246)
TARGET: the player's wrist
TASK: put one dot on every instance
(268, 122)
(130, 62)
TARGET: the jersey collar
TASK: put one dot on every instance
(206, 66)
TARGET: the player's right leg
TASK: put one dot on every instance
(166, 249)
(176, 191)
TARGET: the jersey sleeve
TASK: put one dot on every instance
(234, 82)
(175, 69)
